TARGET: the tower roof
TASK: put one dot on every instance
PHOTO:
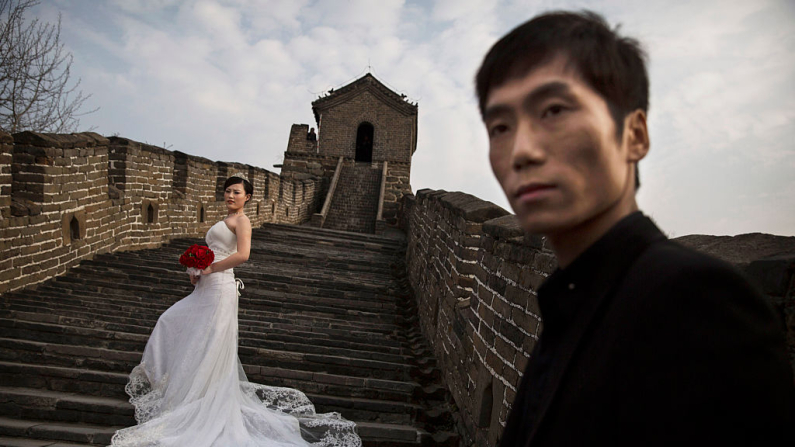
(368, 83)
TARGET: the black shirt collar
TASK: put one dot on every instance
(595, 270)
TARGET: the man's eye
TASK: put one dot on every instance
(497, 129)
(553, 110)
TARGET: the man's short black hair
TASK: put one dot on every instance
(612, 65)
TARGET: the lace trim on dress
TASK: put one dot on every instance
(145, 397)
(321, 430)
(147, 400)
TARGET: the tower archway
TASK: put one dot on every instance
(364, 142)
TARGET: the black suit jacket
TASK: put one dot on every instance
(670, 347)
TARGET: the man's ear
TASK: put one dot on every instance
(636, 136)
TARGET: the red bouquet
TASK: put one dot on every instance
(197, 258)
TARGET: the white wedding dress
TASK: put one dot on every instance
(190, 388)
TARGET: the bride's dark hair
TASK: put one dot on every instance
(247, 187)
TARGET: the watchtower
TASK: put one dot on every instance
(366, 136)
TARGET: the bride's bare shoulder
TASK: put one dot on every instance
(242, 221)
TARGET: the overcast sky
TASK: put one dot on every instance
(226, 79)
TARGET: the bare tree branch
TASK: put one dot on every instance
(35, 93)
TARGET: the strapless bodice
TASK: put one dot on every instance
(221, 240)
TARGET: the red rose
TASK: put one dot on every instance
(197, 256)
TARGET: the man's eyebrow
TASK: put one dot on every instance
(492, 112)
(554, 88)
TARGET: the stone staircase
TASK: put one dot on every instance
(355, 202)
(323, 311)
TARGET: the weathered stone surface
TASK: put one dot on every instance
(502, 277)
(24, 207)
(774, 274)
(470, 207)
(115, 180)
(741, 249)
(505, 227)
(323, 311)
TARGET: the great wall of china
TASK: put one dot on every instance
(470, 274)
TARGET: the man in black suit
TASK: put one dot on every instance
(644, 342)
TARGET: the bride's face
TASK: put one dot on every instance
(235, 197)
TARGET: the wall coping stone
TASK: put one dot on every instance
(196, 158)
(60, 141)
(503, 227)
(470, 207)
(508, 227)
(126, 143)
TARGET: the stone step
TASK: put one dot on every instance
(82, 338)
(83, 434)
(261, 314)
(131, 313)
(314, 289)
(298, 234)
(99, 334)
(373, 434)
(372, 308)
(111, 384)
(272, 263)
(252, 325)
(57, 378)
(55, 406)
(37, 353)
(326, 312)
(338, 384)
(367, 410)
(355, 202)
(22, 442)
(318, 254)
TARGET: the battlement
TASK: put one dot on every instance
(65, 198)
(475, 274)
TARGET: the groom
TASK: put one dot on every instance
(644, 342)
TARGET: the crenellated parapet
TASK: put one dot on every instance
(475, 273)
(475, 276)
(65, 198)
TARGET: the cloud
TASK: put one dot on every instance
(225, 79)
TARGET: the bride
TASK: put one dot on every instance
(190, 388)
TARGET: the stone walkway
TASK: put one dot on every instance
(323, 311)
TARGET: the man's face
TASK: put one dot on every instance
(553, 148)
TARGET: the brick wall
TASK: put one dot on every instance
(144, 174)
(397, 185)
(393, 135)
(296, 164)
(6, 148)
(474, 275)
(299, 141)
(64, 198)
